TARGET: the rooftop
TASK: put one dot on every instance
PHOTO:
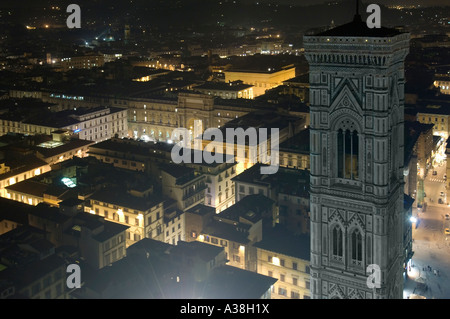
(206, 252)
(281, 241)
(14, 211)
(250, 208)
(30, 187)
(237, 233)
(231, 86)
(121, 198)
(285, 180)
(299, 143)
(21, 165)
(358, 28)
(227, 282)
(47, 212)
(27, 274)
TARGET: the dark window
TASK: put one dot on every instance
(347, 152)
(282, 291)
(356, 245)
(337, 241)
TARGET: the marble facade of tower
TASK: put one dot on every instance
(357, 156)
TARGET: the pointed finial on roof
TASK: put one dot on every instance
(357, 16)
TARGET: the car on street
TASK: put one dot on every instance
(440, 201)
(447, 231)
(447, 216)
(442, 193)
(434, 172)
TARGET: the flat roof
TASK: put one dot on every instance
(250, 208)
(299, 143)
(204, 251)
(123, 199)
(111, 229)
(73, 144)
(280, 240)
(228, 282)
(286, 180)
(237, 233)
(14, 211)
(259, 70)
(21, 165)
(223, 86)
(30, 187)
(27, 274)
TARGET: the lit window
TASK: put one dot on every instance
(276, 261)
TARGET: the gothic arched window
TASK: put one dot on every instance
(356, 244)
(337, 241)
(347, 154)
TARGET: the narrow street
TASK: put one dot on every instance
(430, 274)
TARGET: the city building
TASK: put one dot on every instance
(436, 113)
(196, 218)
(94, 124)
(442, 81)
(60, 147)
(298, 86)
(30, 268)
(407, 232)
(141, 211)
(82, 61)
(285, 257)
(357, 158)
(148, 157)
(12, 215)
(237, 228)
(232, 90)
(183, 184)
(100, 242)
(189, 270)
(19, 168)
(294, 152)
(261, 133)
(155, 119)
(261, 80)
(288, 188)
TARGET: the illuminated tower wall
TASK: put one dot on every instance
(357, 157)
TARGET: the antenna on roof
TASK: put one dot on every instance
(357, 15)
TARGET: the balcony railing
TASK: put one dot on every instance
(197, 190)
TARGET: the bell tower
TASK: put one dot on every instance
(357, 155)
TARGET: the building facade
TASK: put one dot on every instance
(93, 124)
(357, 145)
(261, 80)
